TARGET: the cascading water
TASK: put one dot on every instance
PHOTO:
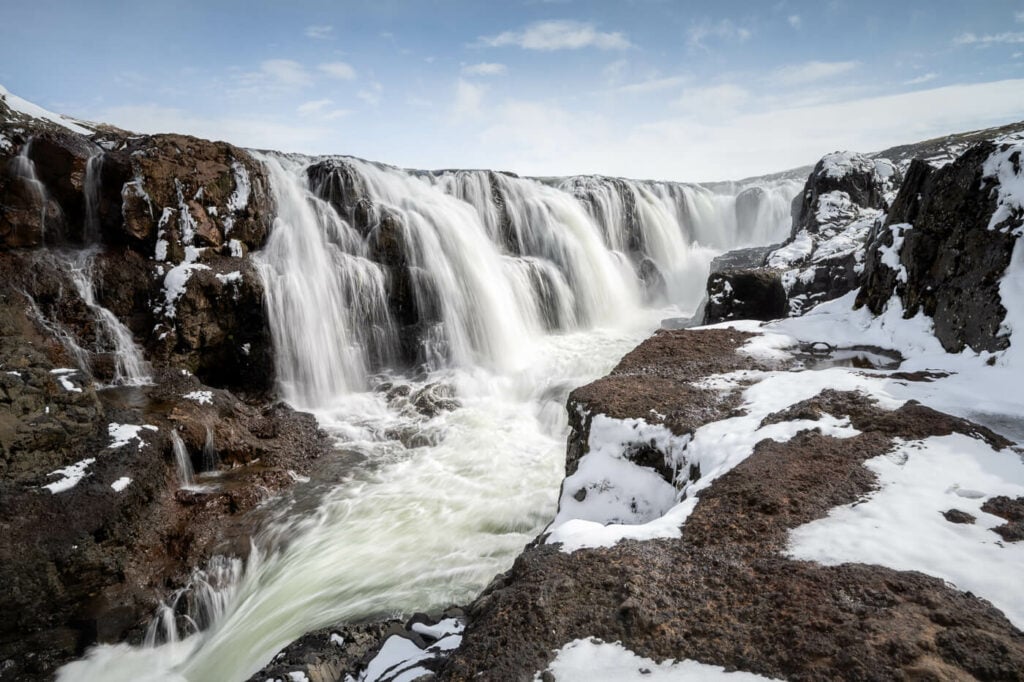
(182, 461)
(507, 291)
(25, 168)
(130, 368)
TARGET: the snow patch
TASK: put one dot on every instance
(201, 397)
(23, 106)
(239, 199)
(174, 284)
(597, 661)
(901, 525)
(1006, 168)
(890, 255)
(122, 434)
(70, 476)
(120, 484)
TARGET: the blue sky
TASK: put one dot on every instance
(697, 90)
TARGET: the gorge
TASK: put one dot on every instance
(423, 332)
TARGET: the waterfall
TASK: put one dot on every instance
(210, 459)
(507, 293)
(91, 191)
(130, 368)
(25, 168)
(183, 461)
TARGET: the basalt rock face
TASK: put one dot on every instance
(105, 233)
(844, 196)
(947, 240)
(754, 294)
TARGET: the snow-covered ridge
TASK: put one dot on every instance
(24, 107)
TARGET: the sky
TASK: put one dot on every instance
(678, 90)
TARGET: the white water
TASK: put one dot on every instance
(25, 168)
(524, 308)
(130, 368)
(182, 461)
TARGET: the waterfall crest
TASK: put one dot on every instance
(370, 267)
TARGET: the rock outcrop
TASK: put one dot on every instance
(130, 316)
(948, 236)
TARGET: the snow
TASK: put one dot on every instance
(25, 107)
(597, 661)
(901, 526)
(715, 448)
(840, 164)
(5, 144)
(239, 199)
(399, 660)
(298, 676)
(174, 284)
(799, 249)
(617, 490)
(337, 639)
(121, 434)
(120, 484)
(1005, 168)
(61, 375)
(230, 278)
(235, 247)
(890, 255)
(201, 397)
(70, 476)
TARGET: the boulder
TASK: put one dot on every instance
(755, 294)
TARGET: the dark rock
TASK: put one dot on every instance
(1010, 509)
(951, 262)
(745, 295)
(957, 516)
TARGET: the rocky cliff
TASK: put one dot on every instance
(130, 316)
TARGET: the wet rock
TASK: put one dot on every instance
(745, 295)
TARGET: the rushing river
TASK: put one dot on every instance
(521, 290)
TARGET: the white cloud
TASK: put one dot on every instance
(794, 20)
(714, 102)
(322, 109)
(652, 85)
(320, 32)
(277, 74)
(1019, 16)
(484, 69)
(987, 40)
(615, 71)
(254, 131)
(924, 78)
(723, 30)
(558, 35)
(811, 72)
(371, 94)
(339, 70)
(468, 99)
(540, 139)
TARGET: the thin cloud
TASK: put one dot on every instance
(924, 78)
(557, 35)
(468, 99)
(277, 74)
(371, 95)
(652, 85)
(712, 102)
(991, 39)
(320, 32)
(794, 20)
(811, 72)
(322, 109)
(339, 70)
(1019, 16)
(725, 29)
(484, 69)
